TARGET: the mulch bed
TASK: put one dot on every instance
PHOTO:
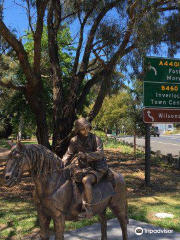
(131, 168)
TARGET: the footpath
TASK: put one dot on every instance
(150, 232)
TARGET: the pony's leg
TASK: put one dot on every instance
(59, 225)
(103, 221)
(122, 219)
(44, 222)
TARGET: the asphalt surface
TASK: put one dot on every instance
(166, 144)
(114, 232)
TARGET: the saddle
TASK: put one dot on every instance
(101, 191)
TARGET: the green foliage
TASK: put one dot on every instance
(14, 105)
(172, 33)
(126, 33)
(122, 111)
(134, 117)
(65, 52)
(113, 110)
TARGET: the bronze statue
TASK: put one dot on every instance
(91, 159)
(56, 197)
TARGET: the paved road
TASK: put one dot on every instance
(165, 143)
(114, 233)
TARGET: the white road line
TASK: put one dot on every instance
(167, 143)
(158, 142)
(175, 138)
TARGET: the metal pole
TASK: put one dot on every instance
(147, 156)
(134, 142)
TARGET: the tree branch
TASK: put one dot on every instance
(20, 51)
(91, 36)
(168, 9)
(102, 93)
(129, 49)
(10, 85)
(69, 15)
(94, 61)
(93, 69)
(41, 6)
(122, 48)
(76, 80)
(57, 20)
(29, 17)
(76, 62)
(101, 61)
(55, 64)
(95, 79)
(126, 38)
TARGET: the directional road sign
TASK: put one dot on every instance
(161, 95)
(164, 70)
(151, 115)
(162, 83)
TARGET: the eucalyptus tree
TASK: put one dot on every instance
(113, 111)
(13, 105)
(108, 33)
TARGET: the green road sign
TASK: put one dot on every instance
(162, 70)
(161, 95)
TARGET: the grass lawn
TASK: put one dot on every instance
(18, 217)
(144, 209)
(4, 144)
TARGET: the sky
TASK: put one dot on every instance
(15, 17)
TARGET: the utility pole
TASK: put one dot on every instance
(147, 156)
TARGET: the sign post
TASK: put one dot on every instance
(161, 98)
(147, 156)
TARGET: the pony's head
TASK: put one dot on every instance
(15, 166)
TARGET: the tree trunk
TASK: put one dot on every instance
(116, 129)
(36, 102)
(21, 123)
(63, 134)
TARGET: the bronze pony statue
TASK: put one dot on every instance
(54, 194)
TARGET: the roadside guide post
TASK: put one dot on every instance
(161, 98)
(179, 161)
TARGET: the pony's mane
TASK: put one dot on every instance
(42, 159)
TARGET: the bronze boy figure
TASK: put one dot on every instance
(89, 148)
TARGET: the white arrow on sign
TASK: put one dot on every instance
(153, 68)
(149, 115)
